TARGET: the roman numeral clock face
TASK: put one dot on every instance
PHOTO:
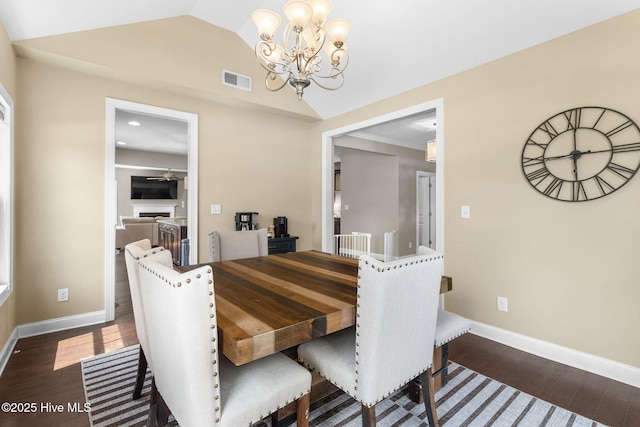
(582, 154)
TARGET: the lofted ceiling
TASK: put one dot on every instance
(394, 46)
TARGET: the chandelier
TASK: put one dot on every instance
(312, 49)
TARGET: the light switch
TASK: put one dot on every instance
(216, 209)
(465, 212)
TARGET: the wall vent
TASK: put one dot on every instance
(230, 78)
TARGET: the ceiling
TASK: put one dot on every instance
(157, 134)
(394, 46)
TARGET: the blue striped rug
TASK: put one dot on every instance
(469, 399)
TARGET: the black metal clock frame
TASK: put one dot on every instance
(582, 154)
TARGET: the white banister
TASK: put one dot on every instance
(352, 245)
(390, 245)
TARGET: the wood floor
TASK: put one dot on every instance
(46, 370)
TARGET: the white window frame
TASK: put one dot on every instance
(6, 195)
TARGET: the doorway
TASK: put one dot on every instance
(112, 107)
(328, 168)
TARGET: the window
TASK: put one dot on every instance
(6, 195)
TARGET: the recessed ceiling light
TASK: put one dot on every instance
(121, 143)
(134, 123)
(424, 124)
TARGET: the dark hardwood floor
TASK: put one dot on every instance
(46, 369)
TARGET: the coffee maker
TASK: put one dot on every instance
(247, 221)
(281, 227)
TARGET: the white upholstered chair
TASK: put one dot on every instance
(199, 386)
(132, 253)
(392, 342)
(227, 245)
(448, 327)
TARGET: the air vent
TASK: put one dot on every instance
(230, 78)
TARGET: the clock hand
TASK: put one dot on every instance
(597, 151)
(575, 154)
(567, 156)
(575, 166)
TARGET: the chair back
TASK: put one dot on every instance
(133, 252)
(228, 245)
(180, 314)
(395, 322)
(425, 250)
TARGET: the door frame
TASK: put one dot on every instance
(327, 167)
(111, 205)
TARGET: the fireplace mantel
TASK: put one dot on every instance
(139, 208)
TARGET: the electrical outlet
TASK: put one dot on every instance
(63, 295)
(502, 304)
(216, 209)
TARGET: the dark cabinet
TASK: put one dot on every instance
(170, 235)
(282, 245)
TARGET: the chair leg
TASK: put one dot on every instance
(444, 370)
(302, 411)
(142, 372)
(368, 416)
(153, 406)
(158, 410)
(444, 365)
(428, 387)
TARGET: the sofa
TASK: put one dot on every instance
(132, 229)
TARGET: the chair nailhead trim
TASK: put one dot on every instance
(188, 280)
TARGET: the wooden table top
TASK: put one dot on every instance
(272, 303)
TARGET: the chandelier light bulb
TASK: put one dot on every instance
(273, 55)
(298, 13)
(267, 23)
(334, 53)
(310, 36)
(338, 29)
(321, 9)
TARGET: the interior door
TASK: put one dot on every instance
(426, 212)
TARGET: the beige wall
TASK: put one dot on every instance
(569, 270)
(182, 55)
(249, 159)
(369, 187)
(8, 80)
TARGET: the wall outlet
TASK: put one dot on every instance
(216, 209)
(502, 304)
(63, 295)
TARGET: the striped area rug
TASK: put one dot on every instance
(469, 399)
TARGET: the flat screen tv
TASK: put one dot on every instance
(143, 188)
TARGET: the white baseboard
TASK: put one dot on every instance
(587, 362)
(60, 324)
(7, 350)
(45, 327)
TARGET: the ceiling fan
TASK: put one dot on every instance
(167, 176)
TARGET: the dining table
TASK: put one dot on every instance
(271, 304)
(268, 304)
